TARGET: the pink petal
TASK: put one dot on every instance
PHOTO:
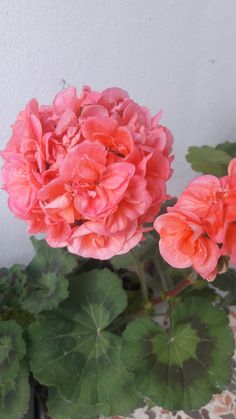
(66, 99)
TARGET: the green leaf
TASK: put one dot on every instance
(77, 354)
(58, 408)
(46, 284)
(144, 251)
(228, 147)
(207, 293)
(207, 159)
(12, 286)
(14, 402)
(48, 259)
(227, 283)
(12, 350)
(199, 288)
(122, 261)
(46, 293)
(182, 368)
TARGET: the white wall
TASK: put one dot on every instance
(178, 55)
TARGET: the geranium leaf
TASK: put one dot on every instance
(46, 293)
(59, 408)
(14, 402)
(181, 369)
(144, 251)
(12, 285)
(228, 147)
(122, 261)
(48, 259)
(78, 355)
(12, 350)
(226, 282)
(207, 159)
(47, 284)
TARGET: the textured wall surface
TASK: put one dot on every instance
(177, 55)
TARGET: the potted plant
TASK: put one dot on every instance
(122, 304)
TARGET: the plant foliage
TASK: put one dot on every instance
(78, 355)
(182, 368)
(89, 328)
(14, 374)
(207, 159)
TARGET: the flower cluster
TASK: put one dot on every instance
(88, 170)
(200, 230)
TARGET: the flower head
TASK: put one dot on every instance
(89, 170)
(200, 230)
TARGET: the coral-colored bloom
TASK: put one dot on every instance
(21, 183)
(183, 243)
(88, 170)
(206, 197)
(200, 230)
(91, 239)
(229, 245)
(231, 197)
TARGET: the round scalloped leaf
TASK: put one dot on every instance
(14, 403)
(182, 369)
(12, 350)
(78, 356)
(47, 292)
(144, 251)
(12, 285)
(206, 159)
(48, 259)
(58, 408)
(228, 147)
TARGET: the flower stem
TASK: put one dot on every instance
(160, 273)
(141, 274)
(181, 286)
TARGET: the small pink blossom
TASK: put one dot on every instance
(91, 239)
(206, 196)
(183, 244)
(229, 245)
(200, 230)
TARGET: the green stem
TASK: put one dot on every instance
(160, 273)
(141, 275)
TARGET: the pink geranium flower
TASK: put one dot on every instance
(183, 243)
(89, 170)
(229, 245)
(22, 184)
(206, 196)
(92, 239)
(200, 230)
